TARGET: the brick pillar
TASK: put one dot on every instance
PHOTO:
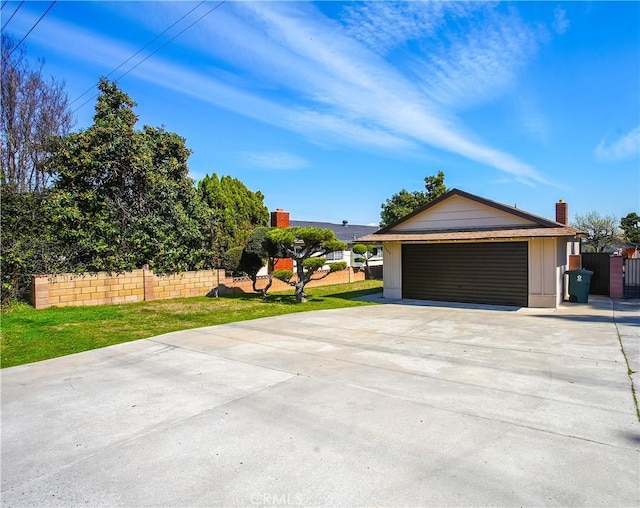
(616, 274)
(40, 291)
(147, 282)
(562, 212)
(575, 261)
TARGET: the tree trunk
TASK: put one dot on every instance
(367, 269)
(301, 297)
(264, 290)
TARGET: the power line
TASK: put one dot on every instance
(158, 49)
(12, 15)
(35, 25)
(139, 51)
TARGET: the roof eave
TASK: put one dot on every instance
(462, 236)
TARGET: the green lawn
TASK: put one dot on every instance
(30, 335)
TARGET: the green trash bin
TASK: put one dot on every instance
(579, 283)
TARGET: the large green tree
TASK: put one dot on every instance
(124, 195)
(307, 246)
(630, 225)
(602, 230)
(404, 202)
(30, 243)
(232, 213)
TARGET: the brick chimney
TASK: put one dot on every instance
(562, 212)
(279, 218)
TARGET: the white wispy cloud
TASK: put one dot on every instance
(625, 147)
(386, 25)
(560, 22)
(299, 70)
(76, 42)
(360, 86)
(274, 160)
(383, 25)
(478, 65)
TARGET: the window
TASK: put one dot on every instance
(335, 256)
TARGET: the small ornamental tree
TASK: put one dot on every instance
(308, 248)
(260, 250)
(365, 253)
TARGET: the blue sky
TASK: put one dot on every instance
(329, 108)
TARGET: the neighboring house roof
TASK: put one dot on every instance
(344, 232)
(512, 223)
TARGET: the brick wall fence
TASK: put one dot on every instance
(104, 288)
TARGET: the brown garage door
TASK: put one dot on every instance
(493, 273)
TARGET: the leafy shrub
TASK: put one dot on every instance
(283, 275)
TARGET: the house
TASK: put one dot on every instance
(465, 248)
(345, 232)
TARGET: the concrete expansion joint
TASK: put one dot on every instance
(207, 353)
(630, 371)
(358, 347)
(270, 346)
(481, 417)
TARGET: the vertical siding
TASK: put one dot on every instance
(547, 260)
(392, 275)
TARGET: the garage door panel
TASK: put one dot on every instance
(495, 273)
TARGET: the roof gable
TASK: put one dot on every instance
(460, 211)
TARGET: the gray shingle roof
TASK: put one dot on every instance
(346, 233)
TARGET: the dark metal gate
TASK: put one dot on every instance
(632, 278)
(599, 264)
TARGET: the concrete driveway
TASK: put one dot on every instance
(387, 405)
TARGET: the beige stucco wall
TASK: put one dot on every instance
(543, 272)
(392, 275)
(460, 213)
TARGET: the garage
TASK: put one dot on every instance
(469, 249)
(491, 273)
